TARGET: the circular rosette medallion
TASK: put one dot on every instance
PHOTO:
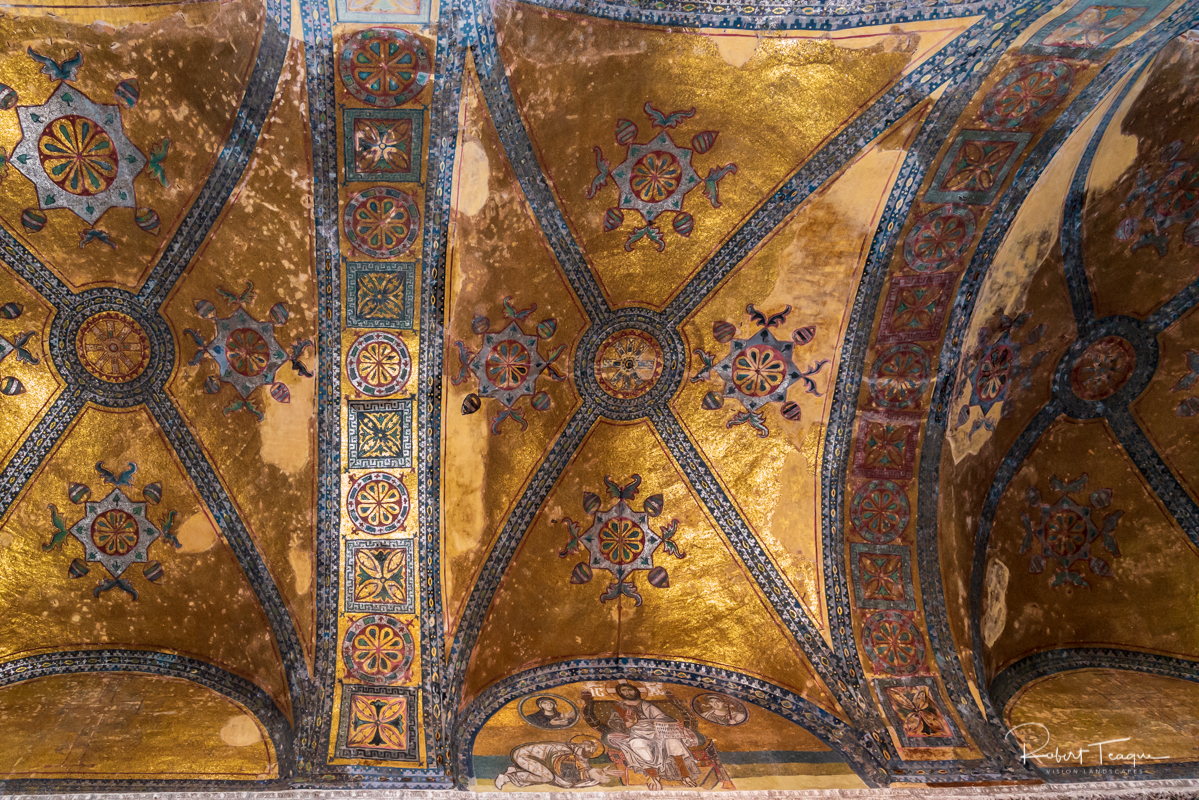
(1103, 368)
(1066, 532)
(939, 238)
(384, 66)
(655, 177)
(78, 155)
(382, 222)
(893, 643)
(113, 347)
(758, 370)
(1026, 94)
(880, 512)
(621, 541)
(899, 377)
(246, 352)
(377, 503)
(628, 364)
(992, 376)
(508, 365)
(115, 532)
(378, 364)
(377, 649)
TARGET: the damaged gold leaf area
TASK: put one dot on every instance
(813, 448)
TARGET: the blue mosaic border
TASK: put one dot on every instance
(787, 15)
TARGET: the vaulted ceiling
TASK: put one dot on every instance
(383, 385)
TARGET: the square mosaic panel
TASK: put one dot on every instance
(383, 144)
(378, 722)
(885, 446)
(380, 294)
(915, 307)
(882, 576)
(1090, 28)
(385, 11)
(379, 433)
(917, 712)
(975, 167)
(380, 576)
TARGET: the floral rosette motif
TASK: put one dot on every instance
(620, 541)
(758, 370)
(1066, 532)
(378, 649)
(246, 352)
(656, 176)
(76, 153)
(115, 531)
(508, 365)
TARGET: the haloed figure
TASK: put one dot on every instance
(564, 764)
(651, 741)
(548, 716)
(721, 711)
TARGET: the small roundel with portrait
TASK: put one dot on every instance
(719, 709)
(550, 712)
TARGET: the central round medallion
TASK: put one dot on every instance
(1103, 368)
(115, 532)
(113, 347)
(656, 176)
(78, 155)
(621, 540)
(628, 364)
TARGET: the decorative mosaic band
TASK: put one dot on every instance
(772, 16)
(843, 418)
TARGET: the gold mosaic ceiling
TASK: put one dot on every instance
(553, 395)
